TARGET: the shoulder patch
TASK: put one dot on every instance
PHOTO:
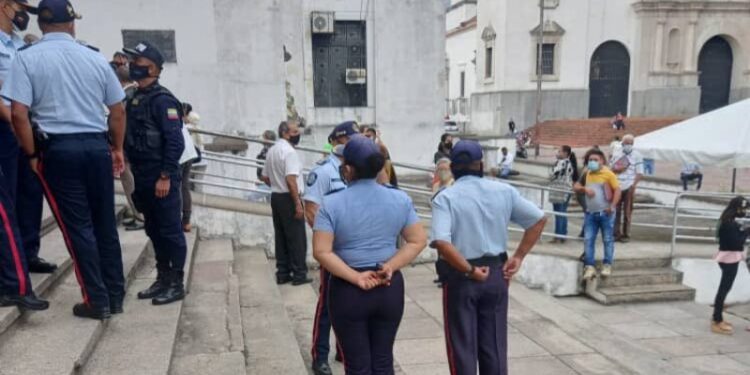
(27, 46)
(173, 114)
(322, 162)
(312, 178)
(87, 46)
(334, 191)
(442, 189)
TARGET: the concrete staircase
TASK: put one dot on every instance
(595, 131)
(640, 280)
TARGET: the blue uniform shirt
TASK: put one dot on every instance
(474, 215)
(323, 180)
(65, 84)
(9, 45)
(365, 220)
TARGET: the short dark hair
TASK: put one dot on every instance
(283, 128)
(187, 108)
(595, 151)
(370, 168)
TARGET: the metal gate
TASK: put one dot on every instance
(715, 67)
(609, 80)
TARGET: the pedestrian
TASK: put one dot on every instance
(269, 137)
(444, 148)
(372, 134)
(323, 180)
(618, 122)
(732, 237)
(690, 172)
(354, 239)
(443, 176)
(154, 144)
(474, 266)
(628, 166)
(603, 193)
(564, 173)
(283, 173)
(506, 163)
(190, 155)
(66, 86)
(615, 147)
(512, 126)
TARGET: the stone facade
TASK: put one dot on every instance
(663, 39)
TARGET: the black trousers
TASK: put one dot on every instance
(365, 323)
(322, 324)
(187, 198)
(29, 208)
(290, 237)
(728, 274)
(14, 273)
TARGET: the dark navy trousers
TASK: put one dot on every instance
(14, 273)
(9, 151)
(29, 207)
(476, 320)
(163, 216)
(78, 181)
(365, 323)
(321, 345)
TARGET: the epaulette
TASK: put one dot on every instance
(27, 46)
(442, 189)
(322, 162)
(87, 45)
(334, 191)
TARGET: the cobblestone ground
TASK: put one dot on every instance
(571, 335)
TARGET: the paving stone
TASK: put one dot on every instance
(552, 338)
(520, 346)
(214, 364)
(682, 347)
(538, 365)
(416, 328)
(614, 315)
(642, 330)
(660, 311)
(432, 307)
(429, 369)
(743, 358)
(689, 327)
(592, 363)
(420, 351)
(712, 364)
(413, 311)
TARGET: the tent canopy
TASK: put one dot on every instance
(720, 138)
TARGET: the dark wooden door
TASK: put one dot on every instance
(715, 67)
(332, 55)
(609, 80)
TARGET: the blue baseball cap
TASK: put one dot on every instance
(359, 149)
(147, 50)
(348, 128)
(465, 152)
(54, 11)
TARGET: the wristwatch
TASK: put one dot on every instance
(470, 272)
(164, 176)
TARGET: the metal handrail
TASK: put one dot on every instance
(676, 216)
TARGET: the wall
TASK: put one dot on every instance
(460, 49)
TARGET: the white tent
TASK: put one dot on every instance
(720, 138)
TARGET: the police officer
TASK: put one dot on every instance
(469, 230)
(354, 241)
(66, 86)
(154, 145)
(323, 180)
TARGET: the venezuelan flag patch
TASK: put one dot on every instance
(172, 114)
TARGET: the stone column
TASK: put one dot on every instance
(659, 45)
(690, 46)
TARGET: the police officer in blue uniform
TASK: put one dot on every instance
(470, 229)
(154, 145)
(323, 180)
(354, 241)
(66, 86)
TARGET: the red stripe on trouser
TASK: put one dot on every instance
(64, 230)
(318, 312)
(451, 360)
(14, 251)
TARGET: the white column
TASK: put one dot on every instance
(688, 65)
(659, 45)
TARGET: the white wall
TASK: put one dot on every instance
(460, 49)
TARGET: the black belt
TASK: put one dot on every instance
(59, 137)
(489, 261)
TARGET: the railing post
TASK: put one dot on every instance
(675, 218)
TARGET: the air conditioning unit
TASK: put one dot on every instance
(356, 76)
(322, 22)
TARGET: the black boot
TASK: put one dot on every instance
(161, 283)
(115, 306)
(82, 310)
(39, 265)
(174, 292)
(28, 302)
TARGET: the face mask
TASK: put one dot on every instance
(593, 166)
(138, 72)
(444, 175)
(294, 140)
(627, 149)
(21, 20)
(449, 145)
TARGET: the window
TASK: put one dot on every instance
(333, 54)
(162, 39)
(673, 48)
(488, 62)
(548, 59)
(463, 84)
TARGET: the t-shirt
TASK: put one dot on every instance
(603, 182)
(282, 160)
(633, 164)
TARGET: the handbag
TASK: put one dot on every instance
(561, 181)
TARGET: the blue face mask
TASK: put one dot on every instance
(593, 166)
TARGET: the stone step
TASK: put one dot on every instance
(141, 340)
(636, 277)
(642, 293)
(54, 341)
(209, 336)
(270, 342)
(622, 264)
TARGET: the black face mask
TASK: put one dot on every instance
(294, 140)
(21, 20)
(448, 145)
(467, 172)
(138, 72)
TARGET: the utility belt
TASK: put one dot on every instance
(43, 140)
(446, 271)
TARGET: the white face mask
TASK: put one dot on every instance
(627, 149)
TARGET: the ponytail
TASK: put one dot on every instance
(574, 163)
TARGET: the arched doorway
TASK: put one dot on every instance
(609, 80)
(715, 67)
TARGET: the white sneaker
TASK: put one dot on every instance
(589, 272)
(606, 270)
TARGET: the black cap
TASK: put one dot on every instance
(147, 50)
(53, 11)
(348, 128)
(465, 152)
(359, 150)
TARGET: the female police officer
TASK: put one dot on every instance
(354, 239)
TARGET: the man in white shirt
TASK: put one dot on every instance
(628, 166)
(506, 162)
(283, 172)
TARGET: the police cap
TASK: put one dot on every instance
(147, 50)
(359, 150)
(466, 152)
(53, 11)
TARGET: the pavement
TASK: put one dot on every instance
(548, 335)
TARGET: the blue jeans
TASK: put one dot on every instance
(561, 222)
(593, 223)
